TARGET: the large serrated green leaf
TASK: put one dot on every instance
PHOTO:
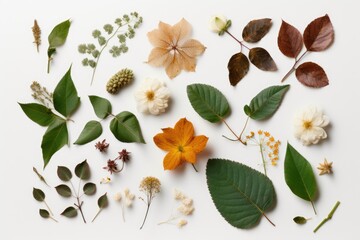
(91, 131)
(241, 194)
(102, 106)
(126, 128)
(266, 102)
(38, 113)
(208, 102)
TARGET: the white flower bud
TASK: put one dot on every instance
(219, 24)
(117, 197)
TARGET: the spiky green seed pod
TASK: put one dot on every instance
(120, 79)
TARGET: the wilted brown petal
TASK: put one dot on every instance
(255, 30)
(290, 41)
(238, 67)
(158, 39)
(159, 57)
(193, 48)
(174, 68)
(188, 63)
(319, 34)
(262, 59)
(181, 30)
(312, 75)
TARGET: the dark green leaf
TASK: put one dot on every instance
(44, 213)
(241, 194)
(266, 102)
(300, 220)
(89, 189)
(238, 67)
(64, 173)
(262, 59)
(63, 190)
(208, 102)
(102, 106)
(38, 194)
(82, 170)
(103, 201)
(255, 30)
(38, 113)
(55, 137)
(91, 131)
(58, 35)
(126, 128)
(299, 175)
(69, 212)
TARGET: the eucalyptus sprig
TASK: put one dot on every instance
(132, 22)
(39, 195)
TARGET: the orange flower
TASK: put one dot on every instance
(181, 144)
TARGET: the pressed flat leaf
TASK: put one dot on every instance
(63, 190)
(208, 102)
(255, 30)
(126, 128)
(89, 189)
(299, 175)
(312, 75)
(69, 212)
(290, 41)
(38, 194)
(91, 131)
(319, 34)
(38, 113)
(82, 170)
(58, 35)
(300, 220)
(241, 194)
(266, 102)
(64, 173)
(66, 99)
(103, 201)
(262, 59)
(238, 67)
(55, 137)
(102, 106)
(44, 213)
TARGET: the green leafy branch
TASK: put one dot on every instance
(39, 195)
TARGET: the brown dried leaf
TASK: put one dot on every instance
(312, 75)
(238, 67)
(319, 34)
(262, 59)
(290, 41)
(255, 30)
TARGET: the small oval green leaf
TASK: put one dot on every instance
(102, 106)
(89, 189)
(126, 128)
(38, 194)
(82, 170)
(69, 212)
(91, 131)
(103, 201)
(63, 190)
(58, 35)
(300, 220)
(64, 173)
(44, 213)
(38, 113)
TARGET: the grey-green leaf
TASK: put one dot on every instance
(208, 102)
(102, 106)
(299, 175)
(89, 189)
(266, 102)
(63, 190)
(82, 170)
(241, 194)
(69, 212)
(64, 173)
(91, 131)
(300, 220)
(38, 113)
(66, 99)
(126, 128)
(58, 35)
(44, 213)
(103, 201)
(38, 194)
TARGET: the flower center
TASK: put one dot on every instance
(150, 95)
(181, 148)
(307, 124)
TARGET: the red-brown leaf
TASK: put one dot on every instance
(312, 75)
(238, 67)
(255, 30)
(290, 41)
(262, 59)
(319, 34)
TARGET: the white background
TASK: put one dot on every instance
(21, 138)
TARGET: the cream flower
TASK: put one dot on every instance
(309, 126)
(219, 24)
(152, 96)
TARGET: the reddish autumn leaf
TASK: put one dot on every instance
(319, 34)
(290, 41)
(255, 30)
(262, 59)
(312, 75)
(238, 67)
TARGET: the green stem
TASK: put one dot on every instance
(47, 206)
(53, 218)
(147, 211)
(263, 159)
(97, 214)
(313, 206)
(328, 217)
(48, 65)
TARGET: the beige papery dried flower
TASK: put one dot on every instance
(150, 186)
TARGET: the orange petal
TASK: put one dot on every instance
(192, 48)
(159, 39)
(188, 155)
(172, 160)
(159, 57)
(174, 67)
(185, 131)
(165, 141)
(181, 30)
(198, 143)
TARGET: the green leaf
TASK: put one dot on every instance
(44, 213)
(266, 102)
(63, 190)
(38, 194)
(300, 220)
(208, 102)
(126, 128)
(91, 131)
(58, 35)
(299, 175)
(38, 113)
(64, 173)
(55, 137)
(89, 189)
(102, 106)
(103, 201)
(241, 194)
(69, 212)
(82, 170)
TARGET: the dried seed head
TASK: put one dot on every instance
(102, 146)
(119, 80)
(150, 186)
(325, 167)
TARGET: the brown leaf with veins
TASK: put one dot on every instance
(319, 34)
(290, 41)
(262, 59)
(312, 75)
(173, 49)
(255, 30)
(238, 67)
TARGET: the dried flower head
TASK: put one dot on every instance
(127, 198)
(117, 197)
(150, 186)
(105, 180)
(181, 223)
(102, 146)
(325, 167)
(41, 94)
(178, 195)
(112, 166)
(37, 34)
(119, 80)
(124, 155)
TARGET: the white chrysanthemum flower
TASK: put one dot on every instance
(152, 96)
(309, 126)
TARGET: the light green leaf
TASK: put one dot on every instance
(69, 212)
(241, 194)
(44, 213)
(299, 175)
(91, 131)
(266, 102)
(208, 102)
(126, 128)
(64, 173)
(55, 137)
(102, 106)
(66, 99)
(63, 190)
(58, 35)
(38, 194)
(89, 189)
(38, 113)
(103, 201)
(82, 170)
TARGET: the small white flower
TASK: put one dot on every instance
(105, 180)
(117, 197)
(309, 126)
(152, 96)
(186, 210)
(219, 24)
(178, 195)
(187, 202)
(182, 223)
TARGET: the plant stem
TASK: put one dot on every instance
(328, 217)
(48, 65)
(53, 218)
(48, 208)
(263, 159)
(313, 206)
(97, 214)
(79, 206)
(147, 211)
(292, 69)
(268, 219)
(237, 40)
(247, 120)
(194, 167)
(237, 137)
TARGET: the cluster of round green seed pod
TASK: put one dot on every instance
(119, 80)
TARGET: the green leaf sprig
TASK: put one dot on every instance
(41, 177)
(39, 195)
(103, 202)
(132, 22)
